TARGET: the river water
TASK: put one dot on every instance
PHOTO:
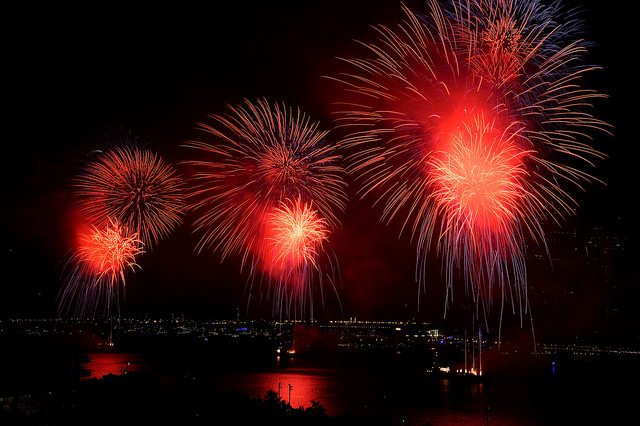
(408, 395)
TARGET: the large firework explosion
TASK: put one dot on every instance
(129, 198)
(291, 245)
(293, 236)
(268, 188)
(135, 187)
(469, 127)
(96, 275)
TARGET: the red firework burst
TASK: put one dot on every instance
(292, 244)
(478, 177)
(135, 187)
(98, 268)
(293, 238)
(477, 183)
(467, 124)
(264, 155)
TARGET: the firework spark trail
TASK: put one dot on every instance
(262, 157)
(96, 276)
(478, 190)
(467, 126)
(135, 187)
(292, 243)
(293, 236)
(511, 43)
(531, 58)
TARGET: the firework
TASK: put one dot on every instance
(292, 242)
(97, 269)
(263, 157)
(512, 44)
(480, 197)
(467, 125)
(135, 187)
(530, 58)
(291, 256)
(294, 233)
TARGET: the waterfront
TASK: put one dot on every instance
(374, 388)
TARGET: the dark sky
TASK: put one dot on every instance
(78, 78)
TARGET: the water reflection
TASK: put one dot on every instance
(366, 391)
(100, 364)
(306, 385)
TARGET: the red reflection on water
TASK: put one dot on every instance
(103, 363)
(306, 385)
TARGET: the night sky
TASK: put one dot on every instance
(80, 79)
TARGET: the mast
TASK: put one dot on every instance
(110, 340)
(473, 346)
(465, 351)
(480, 349)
